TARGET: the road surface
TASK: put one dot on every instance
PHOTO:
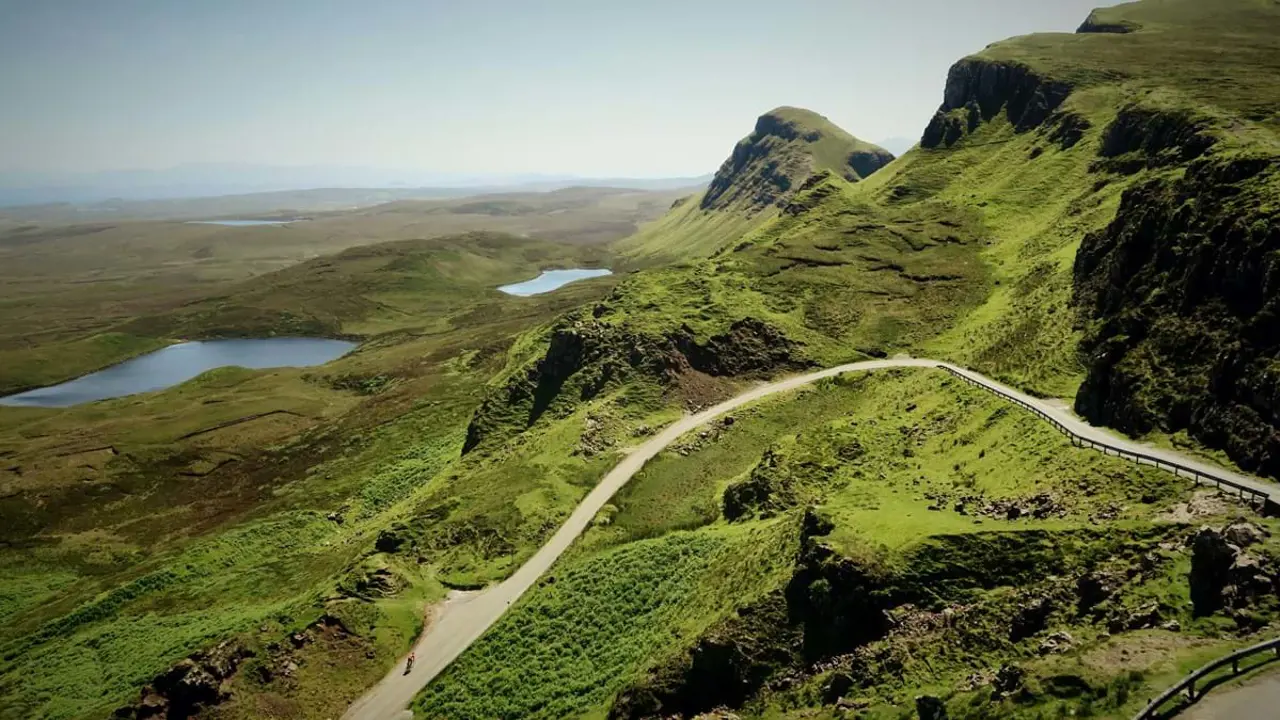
(463, 620)
(1257, 699)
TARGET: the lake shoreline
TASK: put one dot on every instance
(178, 362)
(552, 280)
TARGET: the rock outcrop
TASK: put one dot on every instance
(1141, 138)
(788, 146)
(1180, 302)
(929, 707)
(979, 89)
(1223, 572)
(194, 683)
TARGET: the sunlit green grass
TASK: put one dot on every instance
(594, 623)
(661, 564)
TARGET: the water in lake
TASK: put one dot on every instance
(239, 223)
(552, 279)
(178, 363)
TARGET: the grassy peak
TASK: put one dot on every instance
(787, 147)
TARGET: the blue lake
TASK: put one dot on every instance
(552, 279)
(239, 223)
(178, 363)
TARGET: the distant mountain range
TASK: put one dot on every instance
(217, 179)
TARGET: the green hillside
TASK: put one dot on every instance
(788, 148)
(246, 505)
(1088, 216)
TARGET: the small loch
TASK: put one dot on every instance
(552, 280)
(240, 223)
(179, 363)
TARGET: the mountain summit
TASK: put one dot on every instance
(787, 147)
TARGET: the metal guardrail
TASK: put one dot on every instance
(1251, 495)
(1188, 684)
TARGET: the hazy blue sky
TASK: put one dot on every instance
(587, 87)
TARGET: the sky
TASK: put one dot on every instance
(593, 88)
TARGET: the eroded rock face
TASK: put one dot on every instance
(196, 682)
(1152, 138)
(1095, 587)
(728, 664)
(1212, 558)
(830, 605)
(759, 170)
(1009, 679)
(978, 90)
(1180, 302)
(1030, 618)
(770, 164)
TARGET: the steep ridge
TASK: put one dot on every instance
(788, 148)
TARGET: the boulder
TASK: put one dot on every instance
(1057, 642)
(1145, 616)
(1094, 587)
(1212, 558)
(1244, 534)
(836, 687)
(1009, 679)
(930, 707)
(1030, 619)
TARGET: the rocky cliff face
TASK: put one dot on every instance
(1180, 298)
(978, 90)
(787, 146)
(1141, 138)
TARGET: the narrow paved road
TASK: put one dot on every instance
(1257, 699)
(463, 620)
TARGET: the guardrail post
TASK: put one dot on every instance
(1191, 691)
(1235, 666)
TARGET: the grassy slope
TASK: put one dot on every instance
(787, 147)
(144, 528)
(686, 231)
(845, 278)
(911, 259)
(650, 575)
(1008, 209)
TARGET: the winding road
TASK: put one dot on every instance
(464, 617)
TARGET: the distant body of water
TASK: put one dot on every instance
(551, 280)
(178, 363)
(239, 223)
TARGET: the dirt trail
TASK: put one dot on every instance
(462, 620)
